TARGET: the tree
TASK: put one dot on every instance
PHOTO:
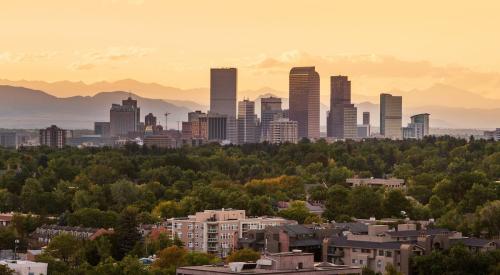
(171, 257)
(297, 211)
(31, 196)
(243, 255)
(5, 270)
(167, 209)
(391, 270)
(64, 247)
(337, 202)
(489, 218)
(126, 232)
(394, 203)
(365, 202)
(199, 258)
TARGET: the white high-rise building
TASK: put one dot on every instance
(418, 128)
(270, 109)
(283, 130)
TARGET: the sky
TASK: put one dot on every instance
(382, 45)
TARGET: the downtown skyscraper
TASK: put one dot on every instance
(223, 89)
(342, 117)
(304, 101)
(391, 112)
(247, 122)
(270, 109)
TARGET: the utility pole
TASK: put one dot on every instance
(166, 120)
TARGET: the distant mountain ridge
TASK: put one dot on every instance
(28, 108)
(436, 94)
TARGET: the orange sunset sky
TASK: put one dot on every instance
(381, 45)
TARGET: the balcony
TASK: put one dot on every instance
(212, 240)
(211, 230)
(212, 249)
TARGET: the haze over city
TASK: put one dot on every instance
(383, 46)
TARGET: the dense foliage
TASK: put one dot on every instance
(452, 180)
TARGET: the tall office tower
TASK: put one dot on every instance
(124, 118)
(283, 130)
(270, 109)
(418, 128)
(53, 137)
(304, 101)
(133, 104)
(391, 112)
(366, 118)
(342, 118)
(247, 122)
(223, 83)
(223, 87)
(149, 120)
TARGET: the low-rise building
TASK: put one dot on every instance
(286, 238)
(296, 262)
(392, 183)
(26, 267)
(381, 247)
(45, 233)
(5, 219)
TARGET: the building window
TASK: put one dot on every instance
(354, 261)
(196, 244)
(381, 252)
(360, 262)
(190, 244)
(388, 254)
(365, 250)
(190, 235)
(355, 250)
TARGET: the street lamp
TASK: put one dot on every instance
(16, 243)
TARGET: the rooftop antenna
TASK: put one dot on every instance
(166, 120)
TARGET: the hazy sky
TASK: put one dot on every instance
(382, 45)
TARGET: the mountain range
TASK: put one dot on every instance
(33, 104)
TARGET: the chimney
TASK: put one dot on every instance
(324, 250)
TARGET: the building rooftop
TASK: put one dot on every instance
(344, 242)
(226, 270)
(473, 242)
(353, 227)
(297, 229)
(416, 233)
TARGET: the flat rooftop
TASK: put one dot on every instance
(208, 269)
